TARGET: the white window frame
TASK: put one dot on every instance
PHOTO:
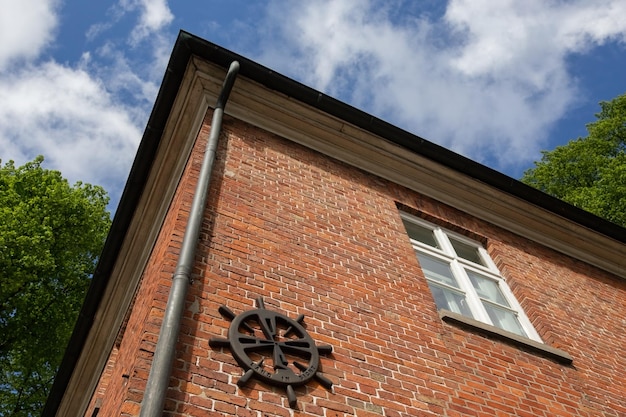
(458, 265)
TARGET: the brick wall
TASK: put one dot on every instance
(314, 236)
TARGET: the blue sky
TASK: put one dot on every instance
(495, 81)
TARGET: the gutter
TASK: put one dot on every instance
(158, 380)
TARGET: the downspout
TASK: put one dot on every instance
(158, 380)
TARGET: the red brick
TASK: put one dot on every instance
(315, 236)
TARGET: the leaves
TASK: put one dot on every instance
(51, 234)
(590, 172)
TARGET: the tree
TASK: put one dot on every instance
(51, 234)
(590, 172)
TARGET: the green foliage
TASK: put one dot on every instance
(51, 234)
(590, 172)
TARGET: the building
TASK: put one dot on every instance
(365, 271)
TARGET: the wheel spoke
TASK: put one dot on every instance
(280, 362)
(297, 346)
(251, 343)
(268, 324)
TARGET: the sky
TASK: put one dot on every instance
(496, 81)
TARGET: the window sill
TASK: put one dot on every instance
(512, 338)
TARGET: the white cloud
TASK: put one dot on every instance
(123, 77)
(85, 118)
(70, 118)
(486, 79)
(533, 36)
(154, 15)
(26, 27)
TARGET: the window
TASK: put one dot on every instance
(464, 280)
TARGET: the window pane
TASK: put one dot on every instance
(437, 270)
(450, 300)
(487, 288)
(504, 319)
(420, 233)
(468, 252)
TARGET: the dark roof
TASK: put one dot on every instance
(188, 45)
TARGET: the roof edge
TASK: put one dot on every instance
(131, 195)
(403, 138)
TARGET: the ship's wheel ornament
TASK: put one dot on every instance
(273, 348)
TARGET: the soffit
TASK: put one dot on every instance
(308, 126)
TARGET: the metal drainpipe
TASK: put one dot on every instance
(158, 380)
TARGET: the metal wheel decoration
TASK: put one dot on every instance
(273, 348)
